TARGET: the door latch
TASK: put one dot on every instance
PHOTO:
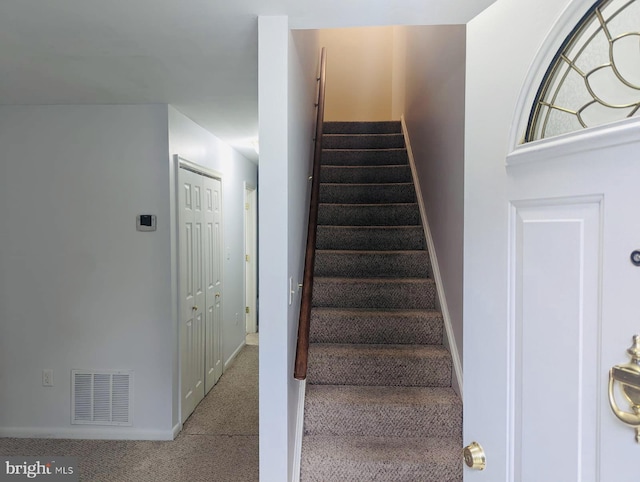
(627, 378)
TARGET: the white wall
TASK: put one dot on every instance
(80, 288)
(501, 44)
(434, 80)
(287, 70)
(359, 79)
(304, 51)
(193, 143)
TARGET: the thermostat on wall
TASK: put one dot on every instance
(146, 222)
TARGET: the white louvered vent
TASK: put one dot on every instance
(102, 397)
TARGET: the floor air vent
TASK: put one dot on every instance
(102, 398)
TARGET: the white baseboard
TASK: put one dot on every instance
(85, 433)
(234, 355)
(441, 299)
(177, 428)
(297, 448)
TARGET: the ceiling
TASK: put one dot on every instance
(199, 55)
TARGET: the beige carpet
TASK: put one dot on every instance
(219, 442)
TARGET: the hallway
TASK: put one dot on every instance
(219, 442)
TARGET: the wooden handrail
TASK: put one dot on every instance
(302, 350)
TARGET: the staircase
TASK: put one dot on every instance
(379, 403)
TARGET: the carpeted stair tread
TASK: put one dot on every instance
(382, 411)
(365, 174)
(375, 293)
(399, 326)
(379, 365)
(362, 141)
(391, 214)
(365, 157)
(342, 193)
(370, 237)
(365, 264)
(399, 459)
(362, 127)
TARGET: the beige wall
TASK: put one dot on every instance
(359, 73)
(431, 85)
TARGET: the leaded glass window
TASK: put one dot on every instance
(595, 76)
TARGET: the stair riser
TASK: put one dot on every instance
(377, 328)
(363, 175)
(380, 127)
(329, 292)
(364, 157)
(330, 416)
(370, 265)
(369, 215)
(378, 370)
(367, 193)
(365, 238)
(362, 141)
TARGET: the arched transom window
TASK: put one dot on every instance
(595, 76)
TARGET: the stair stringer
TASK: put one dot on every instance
(441, 299)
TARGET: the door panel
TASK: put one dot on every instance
(555, 295)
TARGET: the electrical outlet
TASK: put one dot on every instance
(47, 378)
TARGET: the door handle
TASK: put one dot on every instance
(627, 378)
(474, 456)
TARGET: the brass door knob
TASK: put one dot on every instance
(195, 308)
(474, 456)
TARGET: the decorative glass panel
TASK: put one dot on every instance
(595, 76)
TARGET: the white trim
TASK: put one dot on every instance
(177, 428)
(566, 22)
(197, 168)
(626, 131)
(297, 447)
(234, 355)
(86, 433)
(449, 339)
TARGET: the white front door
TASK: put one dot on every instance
(570, 292)
(550, 290)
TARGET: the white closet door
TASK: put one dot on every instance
(213, 261)
(192, 291)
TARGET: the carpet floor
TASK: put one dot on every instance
(219, 442)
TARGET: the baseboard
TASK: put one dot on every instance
(177, 428)
(441, 299)
(234, 355)
(297, 448)
(85, 433)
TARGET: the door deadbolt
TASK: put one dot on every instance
(474, 456)
(627, 378)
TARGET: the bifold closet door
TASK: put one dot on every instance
(192, 291)
(213, 273)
